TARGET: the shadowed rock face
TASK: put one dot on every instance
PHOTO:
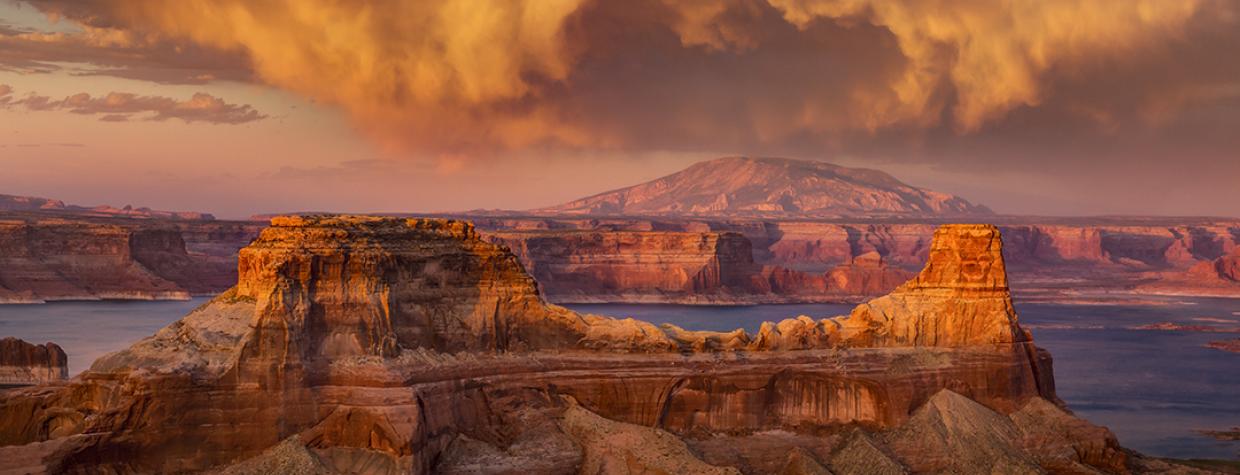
(682, 267)
(72, 257)
(357, 344)
(24, 363)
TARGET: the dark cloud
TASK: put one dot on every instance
(120, 107)
(95, 51)
(1071, 89)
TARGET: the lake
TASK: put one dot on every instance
(1154, 389)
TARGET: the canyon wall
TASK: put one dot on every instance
(681, 267)
(46, 258)
(360, 344)
(645, 260)
(804, 261)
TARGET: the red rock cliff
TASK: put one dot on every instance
(24, 363)
(390, 345)
(85, 258)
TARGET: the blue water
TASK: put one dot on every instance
(88, 330)
(1154, 389)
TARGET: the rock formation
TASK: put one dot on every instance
(648, 266)
(28, 203)
(802, 260)
(1232, 345)
(378, 345)
(51, 258)
(1220, 277)
(743, 186)
(682, 267)
(24, 363)
(867, 274)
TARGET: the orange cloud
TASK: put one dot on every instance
(120, 107)
(994, 53)
(452, 76)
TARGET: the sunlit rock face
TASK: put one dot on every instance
(357, 286)
(960, 298)
(379, 345)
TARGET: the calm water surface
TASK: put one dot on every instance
(1154, 389)
(88, 330)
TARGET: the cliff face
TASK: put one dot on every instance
(681, 267)
(379, 285)
(53, 259)
(24, 363)
(1219, 277)
(818, 261)
(78, 258)
(385, 345)
(960, 298)
(631, 266)
(742, 186)
(28, 203)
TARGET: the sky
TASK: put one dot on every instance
(235, 107)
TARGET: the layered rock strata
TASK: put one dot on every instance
(682, 267)
(46, 259)
(358, 344)
(1056, 257)
(23, 364)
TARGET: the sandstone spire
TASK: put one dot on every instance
(960, 298)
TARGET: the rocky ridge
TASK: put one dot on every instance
(28, 203)
(361, 344)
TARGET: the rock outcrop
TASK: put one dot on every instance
(359, 344)
(802, 260)
(24, 363)
(72, 260)
(1232, 345)
(682, 267)
(743, 186)
(648, 266)
(28, 203)
(1220, 277)
(76, 258)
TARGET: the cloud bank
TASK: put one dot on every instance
(957, 81)
(121, 107)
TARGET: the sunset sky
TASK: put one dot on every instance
(237, 107)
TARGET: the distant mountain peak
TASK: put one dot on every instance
(45, 205)
(771, 187)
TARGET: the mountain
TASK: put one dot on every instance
(29, 203)
(771, 187)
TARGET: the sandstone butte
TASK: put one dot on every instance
(381, 345)
(24, 363)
